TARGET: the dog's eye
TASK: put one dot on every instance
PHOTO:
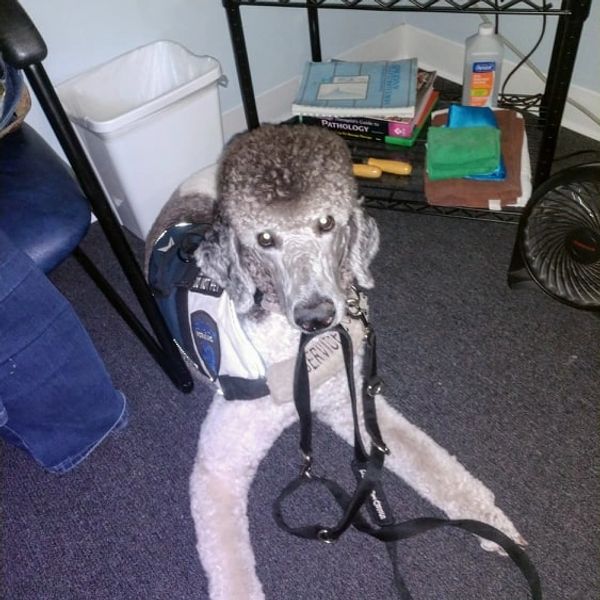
(265, 239)
(326, 223)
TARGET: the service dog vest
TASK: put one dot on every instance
(201, 316)
(204, 324)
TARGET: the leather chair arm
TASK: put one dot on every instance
(21, 44)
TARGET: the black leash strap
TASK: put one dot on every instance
(367, 469)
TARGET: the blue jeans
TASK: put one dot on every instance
(57, 401)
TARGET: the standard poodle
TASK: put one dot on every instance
(289, 239)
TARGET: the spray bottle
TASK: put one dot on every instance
(483, 62)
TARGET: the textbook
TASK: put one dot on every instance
(409, 141)
(375, 130)
(358, 89)
(404, 127)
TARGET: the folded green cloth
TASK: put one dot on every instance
(462, 151)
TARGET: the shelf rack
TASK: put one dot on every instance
(390, 193)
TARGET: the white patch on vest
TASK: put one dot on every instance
(321, 350)
(324, 358)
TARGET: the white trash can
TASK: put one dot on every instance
(148, 119)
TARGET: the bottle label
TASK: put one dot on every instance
(484, 67)
(482, 83)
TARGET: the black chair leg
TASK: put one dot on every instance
(126, 313)
(162, 347)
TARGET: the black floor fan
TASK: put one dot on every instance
(559, 236)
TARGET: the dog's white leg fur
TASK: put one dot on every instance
(234, 438)
(419, 461)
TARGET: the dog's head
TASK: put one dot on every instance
(289, 225)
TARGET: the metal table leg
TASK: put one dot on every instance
(236, 30)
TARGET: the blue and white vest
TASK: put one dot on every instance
(201, 316)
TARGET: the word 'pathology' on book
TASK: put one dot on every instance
(377, 130)
(355, 89)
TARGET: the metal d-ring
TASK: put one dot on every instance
(353, 306)
(374, 387)
(324, 535)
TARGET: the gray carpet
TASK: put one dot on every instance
(507, 380)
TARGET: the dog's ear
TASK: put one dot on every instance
(219, 258)
(364, 244)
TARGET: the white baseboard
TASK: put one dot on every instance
(433, 52)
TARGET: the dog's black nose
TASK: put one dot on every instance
(315, 314)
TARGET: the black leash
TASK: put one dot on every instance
(367, 469)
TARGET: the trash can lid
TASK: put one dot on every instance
(136, 84)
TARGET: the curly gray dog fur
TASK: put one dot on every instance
(294, 184)
(289, 225)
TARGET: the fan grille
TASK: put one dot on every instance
(561, 242)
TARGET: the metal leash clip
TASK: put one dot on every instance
(306, 467)
(355, 310)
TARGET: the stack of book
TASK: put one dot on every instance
(383, 101)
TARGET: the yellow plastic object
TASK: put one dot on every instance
(397, 167)
(366, 171)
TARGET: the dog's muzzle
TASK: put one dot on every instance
(315, 314)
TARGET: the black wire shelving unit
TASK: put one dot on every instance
(543, 124)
